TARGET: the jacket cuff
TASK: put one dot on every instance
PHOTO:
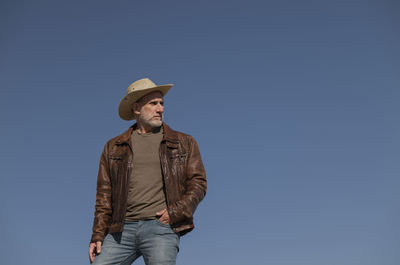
(177, 213)
(96, 237)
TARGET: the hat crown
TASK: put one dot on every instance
(140, 84)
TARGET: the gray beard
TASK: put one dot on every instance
(145, 119)
(153, 124)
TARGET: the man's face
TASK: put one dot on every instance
(150, 109)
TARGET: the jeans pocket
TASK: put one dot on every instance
(163, 224)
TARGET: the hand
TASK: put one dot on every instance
(164, 216)
(94, 249)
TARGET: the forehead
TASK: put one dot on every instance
(149, 97)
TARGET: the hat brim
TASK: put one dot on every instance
(125, 106)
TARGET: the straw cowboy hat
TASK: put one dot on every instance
(134, 92)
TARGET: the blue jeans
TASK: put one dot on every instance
(155, 241)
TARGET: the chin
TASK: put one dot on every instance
(155, 124)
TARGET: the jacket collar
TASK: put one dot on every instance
(169, 135)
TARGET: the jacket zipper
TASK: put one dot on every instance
(127, 177)
(163, 174)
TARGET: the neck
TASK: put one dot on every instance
(145, 128)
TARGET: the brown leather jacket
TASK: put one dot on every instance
(183, 175)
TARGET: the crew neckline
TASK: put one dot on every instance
(160, 130)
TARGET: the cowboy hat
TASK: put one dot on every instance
(135, 91)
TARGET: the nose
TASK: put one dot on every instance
(160, 108)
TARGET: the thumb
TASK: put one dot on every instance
(98, 247)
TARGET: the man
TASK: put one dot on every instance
(150, 181)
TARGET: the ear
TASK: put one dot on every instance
(136, 108)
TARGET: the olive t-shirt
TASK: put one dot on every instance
(146, 189)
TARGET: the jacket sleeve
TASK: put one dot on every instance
(195, 186)
(103, 208)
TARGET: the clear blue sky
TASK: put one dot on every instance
(295, 106)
